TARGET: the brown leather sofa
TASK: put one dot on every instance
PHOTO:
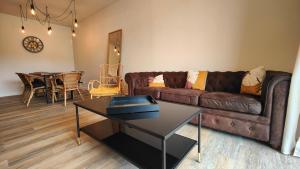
(223, 107)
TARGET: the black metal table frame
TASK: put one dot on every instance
(163, 139)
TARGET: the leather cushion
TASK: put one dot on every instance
(175, 79)
(224, 81)
(231, 102)
(181, 95)
(151, 91)
(37, 83)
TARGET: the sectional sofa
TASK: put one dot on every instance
(223, 107)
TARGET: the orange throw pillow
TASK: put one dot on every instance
(196, 80)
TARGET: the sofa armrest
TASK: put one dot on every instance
(274, 86)
(135, 80)
(275, 106)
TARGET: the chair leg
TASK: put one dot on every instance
(30, 97)
(65, 97)
(26, 92)
(80, 94)
(53, 97)
(27, 96)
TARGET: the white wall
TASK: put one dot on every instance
(57, 54)
(192, 34)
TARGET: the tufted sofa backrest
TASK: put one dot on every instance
(172, 79)
(175, 79)
(224, 81)
(216, 81)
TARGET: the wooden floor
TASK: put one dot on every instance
(43, 136)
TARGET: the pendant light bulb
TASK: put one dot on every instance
(32, 9)
(22, 29)
(115, 49)
(49, 30)
(73, 33)
(75, 23)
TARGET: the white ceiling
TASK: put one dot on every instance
(84, 8)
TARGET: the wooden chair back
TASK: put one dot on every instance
(71, 80)
(25, 79)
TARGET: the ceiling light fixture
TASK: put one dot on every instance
(22, 29)
(32, 8)
(49, 30)
(75, 20)
(73, 33)
(75, 23)
(44, 17)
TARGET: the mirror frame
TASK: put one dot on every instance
(109, 34)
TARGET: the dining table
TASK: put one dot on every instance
(47, 77)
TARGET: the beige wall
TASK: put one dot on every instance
(57, 54)
(192, 34)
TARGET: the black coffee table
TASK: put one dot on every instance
(161, 125)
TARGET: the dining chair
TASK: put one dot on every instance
(26, 85)
(31, 84)
(56, 86)
(70, 83)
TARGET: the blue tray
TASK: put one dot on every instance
(132, 104)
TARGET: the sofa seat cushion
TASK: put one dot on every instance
(181, 95)
(231, 102)
(151, 91)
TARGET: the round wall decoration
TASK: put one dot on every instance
(33, 44)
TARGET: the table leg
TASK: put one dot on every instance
(199, 137)
(46, 90)
(77, 126)
(163, 155)
(72, 95)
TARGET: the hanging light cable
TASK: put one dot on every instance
(49, 26)
(44, 17)
(32, 10)
(21, 16)
(73, 25)
(75, 20)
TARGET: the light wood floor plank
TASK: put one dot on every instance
(43, 137)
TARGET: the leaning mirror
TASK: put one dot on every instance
(114, 47)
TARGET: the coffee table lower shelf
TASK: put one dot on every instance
(141, 154)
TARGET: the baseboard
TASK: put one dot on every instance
(297, 148)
